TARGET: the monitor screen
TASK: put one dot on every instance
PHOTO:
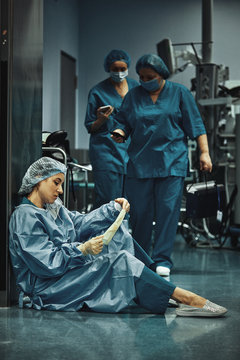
(165, 51)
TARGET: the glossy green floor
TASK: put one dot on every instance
(135, 334)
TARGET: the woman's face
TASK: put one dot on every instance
(50, 188)
(148, 74)
(118, 66)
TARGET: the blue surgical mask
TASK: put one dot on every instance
(151, 85)
(118, 76)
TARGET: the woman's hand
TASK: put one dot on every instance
(118, 138)
(205, 162)
(124, 204)
(93, 246)
(104, 114)
(102, 117)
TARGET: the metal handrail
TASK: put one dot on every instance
(85, 169)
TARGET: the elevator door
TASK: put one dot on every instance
(68, 96)
(21, 52)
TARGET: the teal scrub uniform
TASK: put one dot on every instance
(108, 159)
(158, 161)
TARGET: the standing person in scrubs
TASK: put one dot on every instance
(160, 116)
(62, 263)
(107, 158)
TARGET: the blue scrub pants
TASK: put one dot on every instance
(159, 200)
(153, 292)
(141, 255)
(109, 185)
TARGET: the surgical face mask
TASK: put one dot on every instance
(151, 85)
(118, 76)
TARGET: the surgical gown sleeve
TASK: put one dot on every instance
(192, 122)
(45, 255)
(95, 222)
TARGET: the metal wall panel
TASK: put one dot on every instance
(26, 86)
(4, 41)
(22, 110)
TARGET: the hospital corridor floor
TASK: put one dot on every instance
(136, 334)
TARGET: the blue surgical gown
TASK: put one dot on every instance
(104, 153)
(159, 131)
(53, 272)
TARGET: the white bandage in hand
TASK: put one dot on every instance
(108, 235)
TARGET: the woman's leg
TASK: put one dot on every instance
(140, 196)
(141, 255)
(194, 305)
(168, 195)
(153, 292)
(108, 186)
(188, 298)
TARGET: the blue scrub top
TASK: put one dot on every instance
(104, 153)
(159, 131)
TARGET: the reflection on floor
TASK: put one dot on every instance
(136, 334)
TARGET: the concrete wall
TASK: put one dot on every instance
(61, 32)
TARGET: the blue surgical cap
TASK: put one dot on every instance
(155, 62)
(41, 169)
(116, 55)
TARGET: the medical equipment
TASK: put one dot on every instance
(205, 199)
(56, 145)
(218, 100)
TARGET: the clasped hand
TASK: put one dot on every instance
(205, 162)
(124, 203)
(118, 136)
(93, 246)
(104, 115)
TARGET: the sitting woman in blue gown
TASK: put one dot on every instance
(61, 263)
